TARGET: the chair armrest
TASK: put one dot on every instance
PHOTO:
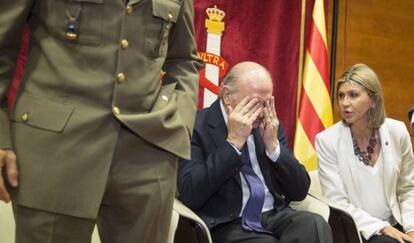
(174, 223)
(184, 211)
(313, 205)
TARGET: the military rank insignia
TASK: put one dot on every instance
(72, 30)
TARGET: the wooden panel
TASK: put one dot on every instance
(380, 33)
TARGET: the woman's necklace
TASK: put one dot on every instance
(365, 156)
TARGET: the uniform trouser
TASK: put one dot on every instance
(286, 226)
(136, 206)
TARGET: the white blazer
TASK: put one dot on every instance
(340, 184)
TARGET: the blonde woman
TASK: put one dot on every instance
(366, 162)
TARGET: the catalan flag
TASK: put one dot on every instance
(315, 109)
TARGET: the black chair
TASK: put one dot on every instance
(343, 227)
(190, 231)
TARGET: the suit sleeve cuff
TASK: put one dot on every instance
(235, 148)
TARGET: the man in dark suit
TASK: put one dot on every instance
(236, 139)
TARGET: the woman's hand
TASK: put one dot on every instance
(396, 234)
(411, 234)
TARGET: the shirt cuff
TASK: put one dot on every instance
(275, 155)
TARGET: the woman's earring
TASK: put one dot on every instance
(370, 113)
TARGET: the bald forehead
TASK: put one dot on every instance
(247, 67)
(252, 71)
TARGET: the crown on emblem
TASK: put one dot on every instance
(215, 14)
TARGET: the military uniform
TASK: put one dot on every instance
(91, 86)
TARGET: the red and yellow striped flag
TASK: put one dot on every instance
(315, 109)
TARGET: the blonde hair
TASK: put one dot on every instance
(363, 75)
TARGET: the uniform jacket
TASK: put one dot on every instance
(75, 93)
(337, 172)
(210, 183)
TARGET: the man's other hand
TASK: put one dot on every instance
(8, 167)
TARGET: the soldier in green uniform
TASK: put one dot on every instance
(96, 132)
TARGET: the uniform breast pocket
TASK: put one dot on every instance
(164, 16)
(73, 21)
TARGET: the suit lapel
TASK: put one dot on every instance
(348, 161)
(217, 128)
(388, 161)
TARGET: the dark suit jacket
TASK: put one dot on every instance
(210, 184)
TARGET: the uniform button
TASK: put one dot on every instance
(116, 111)
(164, 97)
(212, 222)
(25, 117)
(124, 44)
(120, 78)
(232, 215)
(170, 17)
(129, 9)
